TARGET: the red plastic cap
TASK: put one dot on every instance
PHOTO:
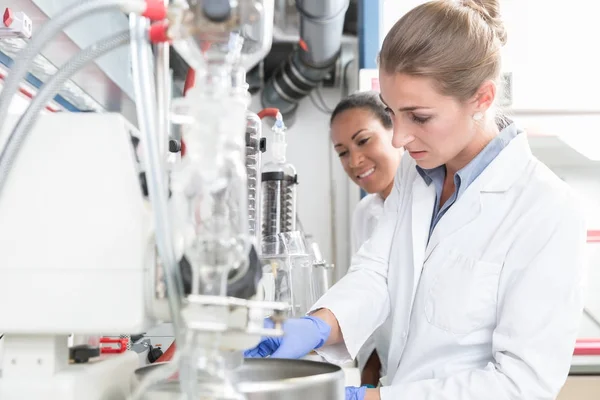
(268, 112)
(159, 32)
(8, 17)
(155, 10)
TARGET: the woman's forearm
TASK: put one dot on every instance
(336, 333)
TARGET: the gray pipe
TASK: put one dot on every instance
(321, 28)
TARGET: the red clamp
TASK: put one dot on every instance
(159, 32)
(8, 17)
(155, 10)
(121, 342)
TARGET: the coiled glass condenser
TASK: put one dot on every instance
(279, 202)
(255, 146)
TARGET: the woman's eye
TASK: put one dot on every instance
(389, 111)
(419, 120)
(363, 141)
(342, 153)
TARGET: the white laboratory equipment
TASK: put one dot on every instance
(279, 182)
(76, 254)
(101, 236)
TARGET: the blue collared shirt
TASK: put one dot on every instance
(464, 177)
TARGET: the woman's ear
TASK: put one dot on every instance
(484, 97)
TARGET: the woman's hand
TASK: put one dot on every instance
(362, 393)
(300, 337)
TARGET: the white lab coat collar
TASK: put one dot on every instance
(498, 177)
(508, 166)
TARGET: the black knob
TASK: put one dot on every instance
(217, 10)
(144, 184)
(174, 146)
(82, 353)
(262, 145)
(154, 354)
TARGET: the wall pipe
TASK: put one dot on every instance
(321, 28)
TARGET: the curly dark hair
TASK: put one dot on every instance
(369, 101)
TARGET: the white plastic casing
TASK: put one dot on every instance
(76, 242)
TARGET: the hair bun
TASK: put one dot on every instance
(489, 10)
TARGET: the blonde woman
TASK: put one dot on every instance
(478, 257)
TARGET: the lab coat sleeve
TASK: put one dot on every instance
(357, 231)
(365, 353)
(360, 300)
(539, 308)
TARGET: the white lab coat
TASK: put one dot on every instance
(489, 308)
(364, 221)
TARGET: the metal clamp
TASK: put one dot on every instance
(232, 303)
(323, 264)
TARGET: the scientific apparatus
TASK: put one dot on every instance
(322, 270)
(288, 273)
(255, 146)
(210, 187)
(91, 230)
(105, 242)
(279, 180)
(266, 378)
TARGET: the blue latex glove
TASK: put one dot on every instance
(355, 393)
(301, 336)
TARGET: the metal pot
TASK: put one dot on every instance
(270, 379)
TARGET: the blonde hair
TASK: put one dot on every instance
(456, 43)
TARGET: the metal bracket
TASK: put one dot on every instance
(253, 309)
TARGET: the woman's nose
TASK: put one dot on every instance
(356, 158)
(401, 137)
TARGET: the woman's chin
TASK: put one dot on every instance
(369, 189)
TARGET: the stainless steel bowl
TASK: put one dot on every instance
(271, 379)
